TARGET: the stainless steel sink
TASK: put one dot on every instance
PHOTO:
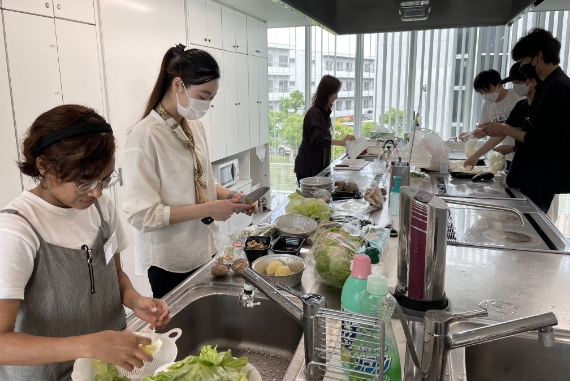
(209, 314)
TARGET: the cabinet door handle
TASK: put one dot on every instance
(47, 5)
(209, 40)
(205, 39)
(58, 6)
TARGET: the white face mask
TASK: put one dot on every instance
(491, 97)
(520, 89)
(196, 109)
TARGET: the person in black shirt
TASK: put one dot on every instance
(315, 149)
(546, 130)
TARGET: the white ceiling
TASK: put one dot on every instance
(552, 5)
(266, 10)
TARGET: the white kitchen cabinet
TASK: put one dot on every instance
(214, 24)
(240, 32)
(197, 22)
(262, 39)
(231, 103)
(228, 29)
(243, 102)
(78, 10)
(253, 79)
(38, 7)
(252, 26)
(11, 180)
(217, 116)
(263, 101)
(79, 64)
(34, 69)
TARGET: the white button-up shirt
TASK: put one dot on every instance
(158, 174)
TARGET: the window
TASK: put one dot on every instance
(329, 66)
(282, 86)
(349, 66)
(270, 85)
(292, 83)
(367, 67)
(292, 60)
(365, 103)
(349, 86)
(271, 107)
(339, 66)
(366, 85)
(348, 105)
(270, 60)
(312, 83)
(283, 60)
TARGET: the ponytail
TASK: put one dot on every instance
(193, 66)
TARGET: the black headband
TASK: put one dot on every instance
(68, 132)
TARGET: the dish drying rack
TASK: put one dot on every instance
(332, 329)
(420, 159)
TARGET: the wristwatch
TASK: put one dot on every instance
(231, 195)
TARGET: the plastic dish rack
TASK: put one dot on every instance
(332, 330)
(420, 159)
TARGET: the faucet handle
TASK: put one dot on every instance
(436, 322)
(311, 302)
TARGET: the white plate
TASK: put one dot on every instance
(250, 371)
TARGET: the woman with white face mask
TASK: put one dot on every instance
(168, 177)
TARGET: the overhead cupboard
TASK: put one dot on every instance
(239, 114)
(52, 59)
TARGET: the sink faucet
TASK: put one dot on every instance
(482, 205)
(438, 341)
(305, 316)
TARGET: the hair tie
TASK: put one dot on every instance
(179, 49)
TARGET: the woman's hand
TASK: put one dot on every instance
(494, 129)
(347, 138)
(153, 311)
(504, 149)
(222, 210)
(235, 199)
(471, 161)
(119, 348)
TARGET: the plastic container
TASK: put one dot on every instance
(378, 302)
(288, 245)
(252, 255)
(374, 255)
(361, 268)
(395, 197)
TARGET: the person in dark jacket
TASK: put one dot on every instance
(315, 149)
(538, 167)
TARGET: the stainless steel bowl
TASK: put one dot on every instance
(296, 264)
(296, 225)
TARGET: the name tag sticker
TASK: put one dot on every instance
(110, 248)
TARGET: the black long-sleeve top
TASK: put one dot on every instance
(315, 150)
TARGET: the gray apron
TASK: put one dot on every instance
(66, 296)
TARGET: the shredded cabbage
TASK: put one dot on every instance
(208, 366)
(310, 207)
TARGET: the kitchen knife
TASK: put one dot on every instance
(253, 197)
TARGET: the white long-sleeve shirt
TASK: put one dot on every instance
(158, 174)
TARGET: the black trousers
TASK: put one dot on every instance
(541, 199)
(162, 281)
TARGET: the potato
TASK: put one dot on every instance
(271, 267)
(283, 271)
(240, 265)
(221, 262)
(219, 270)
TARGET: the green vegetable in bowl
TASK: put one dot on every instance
(418, 175)
(310, 207)
(208, 366)
(106, 372)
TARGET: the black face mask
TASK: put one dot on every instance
(529, 70)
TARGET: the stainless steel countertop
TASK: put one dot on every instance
(524, 283)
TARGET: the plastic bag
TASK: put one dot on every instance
(332, 251)
(417, 179)
(429, 141)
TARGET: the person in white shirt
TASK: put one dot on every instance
(499, 102)
(171, 195)
(62, 289)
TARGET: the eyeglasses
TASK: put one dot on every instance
(106, 183)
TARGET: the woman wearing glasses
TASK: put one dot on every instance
(168, 177)
(62, 289)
